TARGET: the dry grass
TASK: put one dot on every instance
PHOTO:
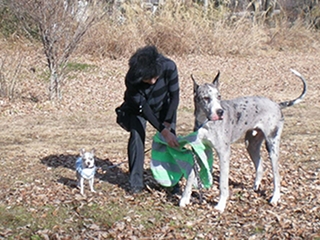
(40, 140)
(178, 30)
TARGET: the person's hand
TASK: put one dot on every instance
(170, 138)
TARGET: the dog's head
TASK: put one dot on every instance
(87, 158)
(207, 101)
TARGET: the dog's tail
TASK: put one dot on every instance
(302, 95)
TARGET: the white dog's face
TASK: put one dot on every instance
(207, 100)
(87, 158)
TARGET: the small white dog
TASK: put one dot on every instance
(86, 169)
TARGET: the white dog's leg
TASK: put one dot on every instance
(259, 175)
(81, 186)
(254, 140)
(91, 181)
(224, 157)
(274, 157)
(185, 199)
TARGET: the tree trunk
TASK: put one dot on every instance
(54, 88)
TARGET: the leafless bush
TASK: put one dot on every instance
(306, 11)
(61, 25)
(176, 29)
(9, 71)
(180, 29)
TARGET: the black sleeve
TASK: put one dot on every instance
(152, 119)
(132, 96)
(174, 92)
(172, 79)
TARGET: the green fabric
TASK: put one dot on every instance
(169, 164)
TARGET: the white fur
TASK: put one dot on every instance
(259, 118)
(85, 169)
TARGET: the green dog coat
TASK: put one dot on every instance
(169, 164)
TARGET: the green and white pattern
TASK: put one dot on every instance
(169, 164)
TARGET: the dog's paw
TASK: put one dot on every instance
(184, 202)
(274, 200)
(220, 207)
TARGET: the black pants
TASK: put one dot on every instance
(136, 148)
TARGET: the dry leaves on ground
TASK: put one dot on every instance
(39, 144)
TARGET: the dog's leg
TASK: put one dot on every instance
(224, 158)
(78, 180)
(186, 195)
(91, 181)
(253, 141)
(81, 186)
(273, 149)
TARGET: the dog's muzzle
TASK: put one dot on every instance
(217, 116)
(220, 113)
(89, 164)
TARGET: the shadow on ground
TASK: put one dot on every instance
(107, 171)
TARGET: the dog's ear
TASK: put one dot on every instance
(215, 81)
(82, 151)
(195, 85)
(93, 151)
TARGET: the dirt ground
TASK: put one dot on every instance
(40, 140)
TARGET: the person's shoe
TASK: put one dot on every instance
(136, 190)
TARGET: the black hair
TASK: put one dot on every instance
(144, 64)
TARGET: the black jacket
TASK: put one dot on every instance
(148, 100)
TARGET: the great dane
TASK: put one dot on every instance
(222, 122)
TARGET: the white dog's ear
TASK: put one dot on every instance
(195, 85)
(93, 151)
(215, 81)
(82, 151)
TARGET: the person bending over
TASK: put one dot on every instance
(152, 94)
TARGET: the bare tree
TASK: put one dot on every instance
(61, 25)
